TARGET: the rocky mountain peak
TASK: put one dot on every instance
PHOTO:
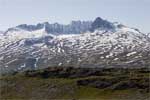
(99, 23)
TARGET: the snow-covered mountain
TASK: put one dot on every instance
(98, 43)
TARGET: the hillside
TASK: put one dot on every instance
(76, 84)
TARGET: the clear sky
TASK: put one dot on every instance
(133, 13)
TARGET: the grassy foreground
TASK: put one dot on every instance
(76, 84)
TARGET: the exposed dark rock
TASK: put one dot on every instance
(100, 23)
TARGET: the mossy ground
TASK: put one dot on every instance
(29, 86)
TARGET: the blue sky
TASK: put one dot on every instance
(134, 13)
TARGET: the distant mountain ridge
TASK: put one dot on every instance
(75, 27)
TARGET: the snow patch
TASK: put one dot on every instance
(59, 64)
(132, 53)
(22, 66)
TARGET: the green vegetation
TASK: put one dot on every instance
(76, 84)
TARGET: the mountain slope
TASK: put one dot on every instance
(103, 44)
(148, 35)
